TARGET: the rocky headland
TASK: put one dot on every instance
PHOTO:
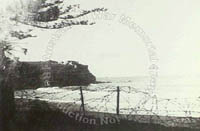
(32, 75)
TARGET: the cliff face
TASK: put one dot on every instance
(71, 74)
(51, 73)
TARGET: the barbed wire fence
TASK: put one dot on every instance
(122, 101)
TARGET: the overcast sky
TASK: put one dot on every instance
(113, 49)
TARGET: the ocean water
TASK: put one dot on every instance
(172, 96)
(166, 86)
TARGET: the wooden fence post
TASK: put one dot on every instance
(118, 95)
(82, 100)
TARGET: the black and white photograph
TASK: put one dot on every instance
(99, 65)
